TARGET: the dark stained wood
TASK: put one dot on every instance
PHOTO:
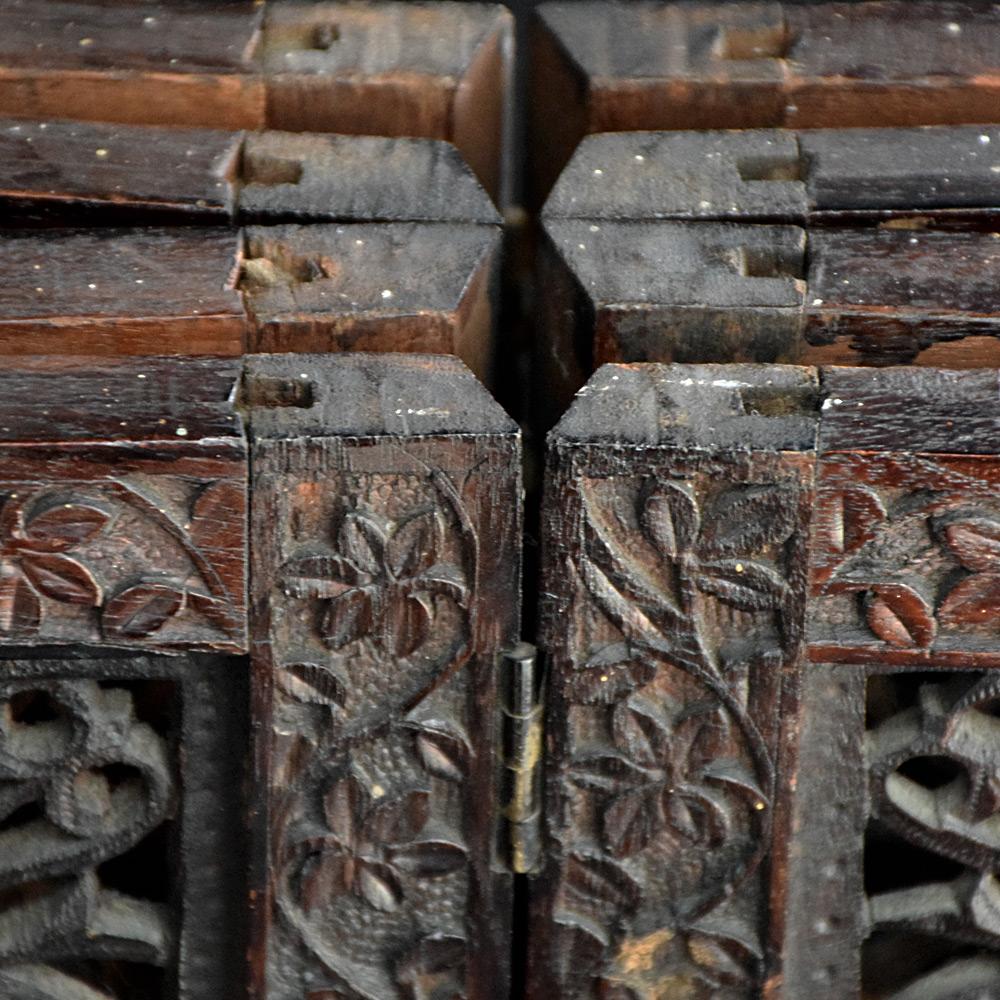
(393, 69)
(623, 66)
(394, 287)
(675, 529)
(716, 292)
(943, 174)
(386, 527)
(881, 859)
(58, 172)
(123, 517)
(128, 879)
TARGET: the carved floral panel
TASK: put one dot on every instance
(123, 563)
(681, 623)
(906, 558)
(381, 749)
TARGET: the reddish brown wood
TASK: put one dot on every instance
(386, 555)
(611, 67)
(392, 69)
(124, 514)
(405, 287)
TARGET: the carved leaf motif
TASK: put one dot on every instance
(62, 526)
(623, 613)
(399, 819)
(670, 518)
(898, 615)
(609, 675)
(363, 542)
(440, 580)
(20, 608)
(377, 885)
(407, 624)
(976, 543)
(631, 820)
(141, 610)
(601, 884)
(745, 585)
(726, 960)
(313, 684)
(973, 601)
(857, 514)
(748, 518)
(414, 545)
(641, 731)
(219, 612)
(347, 618)
(213, 508)
(733, 774)
(320, 576)
(61, 578)
(428, 858)
(696, 816)
(443, 754)
(343, 805)
(607, 773)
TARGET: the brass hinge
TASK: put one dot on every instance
(521, 705)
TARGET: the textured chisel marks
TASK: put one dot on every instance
(905, 563)
(400, 287)
(386, 586)
(96, 822)
(674, 587)
(122, 504)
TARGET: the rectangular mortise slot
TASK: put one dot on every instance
(264, 168)
(766, 41)
(772, 401)
(276, 393)
(763, 168)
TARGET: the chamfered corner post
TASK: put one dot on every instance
(386, 520)
(675, 527)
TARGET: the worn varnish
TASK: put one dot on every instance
(183, 290)
(934, 175)
(386, 524)
(715, 292)
(68, 172)
(621, 66)
(771, 571)
(391, 69)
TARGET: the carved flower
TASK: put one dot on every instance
(33, 560)
(667, 778)
(381, 583)
(711, 546)
(371, 847)
(975, 541)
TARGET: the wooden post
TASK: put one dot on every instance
(386, 523)
(675, 529)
